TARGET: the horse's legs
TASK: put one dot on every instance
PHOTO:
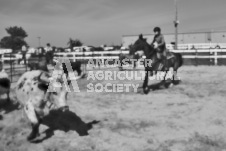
(84, 67)
(169, 66)
(176, 79)
(120, 65)
(79, 71)
(145, 84)
(168, 78)
(135, 64)
(175, 68)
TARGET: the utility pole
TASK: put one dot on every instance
(39, 41)
(176, 23)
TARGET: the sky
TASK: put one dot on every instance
(97, 22)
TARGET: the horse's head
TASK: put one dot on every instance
(141, 44)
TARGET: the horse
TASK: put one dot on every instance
(175, 61)
(76, 66)
(49, 57)
(42, 61)
(128, 57)
(38, 62)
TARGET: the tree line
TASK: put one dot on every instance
(16, 39)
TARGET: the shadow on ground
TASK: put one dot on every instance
(65, 121)
(159, 86)
(8, 107)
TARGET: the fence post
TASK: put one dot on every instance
(215, 58)
(74, 57)
(2, 60)
(26, 62)
(210, 57)
(102, 54)
(196, 54)
(94, 59)
(11, 68)
(83, 61)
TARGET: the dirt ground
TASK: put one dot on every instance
(190, 116)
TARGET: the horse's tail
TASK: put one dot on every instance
(179, 58)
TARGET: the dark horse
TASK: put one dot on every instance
(49, 57)
(41, 61)
(38, 62)
(129, 56)
(175, 61)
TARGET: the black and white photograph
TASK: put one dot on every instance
(112, 75)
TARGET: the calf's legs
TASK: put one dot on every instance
(35, 122)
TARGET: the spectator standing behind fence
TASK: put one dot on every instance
(24, 51)
(41, 50)
(48, 48)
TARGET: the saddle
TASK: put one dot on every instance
(165, 54)
(163, 57)
(169, 54)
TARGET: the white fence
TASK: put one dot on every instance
(187, 54)
(90, 55)
(198, 46)
(211, 54)
(198, 54)
(2, 51)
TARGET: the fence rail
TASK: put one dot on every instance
(198, 46)
(191, 57)
(199, 50)
(11, 66)
(212, 54)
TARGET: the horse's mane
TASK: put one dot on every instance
(151, 50)
(147, 48)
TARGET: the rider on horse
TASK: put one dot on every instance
(160, 46)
